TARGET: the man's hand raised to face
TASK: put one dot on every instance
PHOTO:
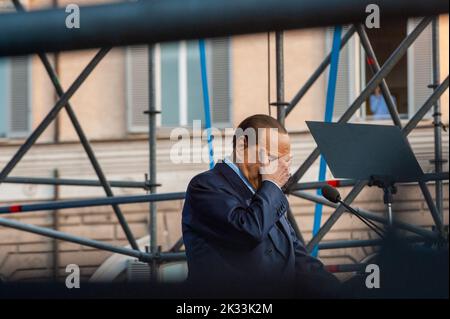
(276, 170)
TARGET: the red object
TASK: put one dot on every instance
(334, 183)
(332, 268)
(370, 61)
(15, 208)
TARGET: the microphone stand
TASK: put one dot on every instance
(379, 231)
(388, 185)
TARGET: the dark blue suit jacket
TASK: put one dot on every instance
(229, 232)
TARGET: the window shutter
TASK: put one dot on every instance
(220, 80)
(4, 105)
(15, 107)
(346, 74)
(19, 96)
(419, 67)
(137, 88)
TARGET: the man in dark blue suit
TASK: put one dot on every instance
(234, 216)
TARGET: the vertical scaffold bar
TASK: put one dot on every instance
(329, 107)
(206, 100)
(279, 56)
(281, 107)
(372, 61)
(152, 163)
(438, 159)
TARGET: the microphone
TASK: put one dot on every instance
(333, 195)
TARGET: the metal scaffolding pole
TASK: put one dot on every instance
(90, 202)
(375, 67)
(55, 226)
(438, 125)
(339, 244)
(425, 108)
(152, 164)
(47, 232)
(73, 182)
(279, 58)
(360, 267)
(137, 22)
(370, 215)
(350, 182)
(433, 209)
(281, 107)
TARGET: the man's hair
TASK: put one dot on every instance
(256, 122)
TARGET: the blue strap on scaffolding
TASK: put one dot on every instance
(206, 103)
(331, 92)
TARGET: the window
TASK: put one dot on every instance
(178, 85)
(408, 81)
(420, 67)
(348, 83)
(15, 103)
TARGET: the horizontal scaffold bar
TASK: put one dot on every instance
(429, 177)
(138, 22)
(47, 232)
(73, 182)
(338, 244)
(90, 202)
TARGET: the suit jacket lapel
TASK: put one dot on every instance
(241, 188)
(233, 179)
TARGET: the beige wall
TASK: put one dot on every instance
(304, 50)
(99, 104)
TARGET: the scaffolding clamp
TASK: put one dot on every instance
(151, 112)
(280, 104)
